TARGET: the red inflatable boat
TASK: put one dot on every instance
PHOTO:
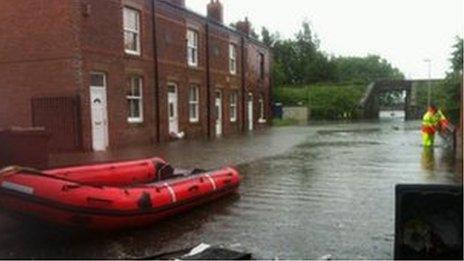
(111, 196)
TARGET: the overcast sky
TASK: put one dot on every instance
(405, 32)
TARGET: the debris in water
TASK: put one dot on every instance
(202, 252)
(198, 249)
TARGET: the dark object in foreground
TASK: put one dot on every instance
(208, 253)
(428, 222)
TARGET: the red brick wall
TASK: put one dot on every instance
(172, 60)
(52, 51)
(103, 51)
(222, 79)
(38, 46)
(173, 67)
(257, 85)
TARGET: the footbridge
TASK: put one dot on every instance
(369, 106)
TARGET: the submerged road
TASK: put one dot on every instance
(307, 192)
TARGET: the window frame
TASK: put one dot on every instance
(262, 116)
(262, 66)
(137, 32)
(232, 58)
(195, 103)
(233, 106)
(131, 96)
(173, 89)
(192, 46)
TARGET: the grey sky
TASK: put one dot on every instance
(405, 32)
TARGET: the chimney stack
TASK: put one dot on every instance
(244, 26)
(216, 11)
(180, 3)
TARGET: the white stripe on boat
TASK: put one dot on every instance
(18, 187)
(211, 180)
(171, 191)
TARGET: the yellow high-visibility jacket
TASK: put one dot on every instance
(431, 121)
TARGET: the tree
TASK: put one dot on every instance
(267, 38)
(452, 84)
(456, 56)
(299, 61)
(365, 69)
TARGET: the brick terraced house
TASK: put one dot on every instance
(104, 74)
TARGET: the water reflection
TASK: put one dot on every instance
(428, 159)
(29, 239)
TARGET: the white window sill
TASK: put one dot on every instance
(135, 120)
(193, 65)
(194, 121)
(233, 73)
(233, 120)
(134, 53)
(262, 121)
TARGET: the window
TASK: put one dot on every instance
(262, 119)
(233, 106)
(135, 100)
(232, 59)
(194, 104)
(131, 31)
(97, 79)
(192, 48)
(261, 65)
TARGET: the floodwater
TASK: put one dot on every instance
(307, 192)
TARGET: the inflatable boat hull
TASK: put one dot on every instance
(100, 197)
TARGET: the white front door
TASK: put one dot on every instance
(173, 109)
(250, 111)
(99, 114)
(218, 106)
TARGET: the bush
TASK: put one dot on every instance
(326, 101)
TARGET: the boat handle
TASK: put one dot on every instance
(99, 201)
(66, 188)
(194, 188)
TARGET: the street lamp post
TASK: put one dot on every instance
(429, 91)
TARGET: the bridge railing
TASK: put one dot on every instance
(367, 94)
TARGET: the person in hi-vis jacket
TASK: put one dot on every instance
(433, 119)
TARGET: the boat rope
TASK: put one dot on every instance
(11, 170)
(171, 191)
(211, 180)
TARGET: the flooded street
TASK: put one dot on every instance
(307, 192)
